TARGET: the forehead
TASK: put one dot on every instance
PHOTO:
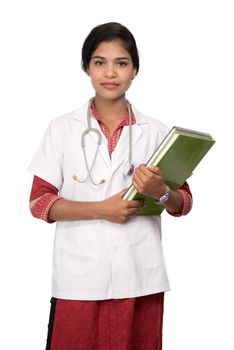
(113, 48)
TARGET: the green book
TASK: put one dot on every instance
(177, 156)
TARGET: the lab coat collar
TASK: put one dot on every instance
(122, 149)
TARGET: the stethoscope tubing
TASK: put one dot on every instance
(130, 167)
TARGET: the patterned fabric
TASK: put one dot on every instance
(188, 199)
(41, 187)
(123, 324)
(43, 196)
(114, 138)
(42, 206)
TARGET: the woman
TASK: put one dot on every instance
(109, 275)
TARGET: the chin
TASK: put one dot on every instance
(110, 95)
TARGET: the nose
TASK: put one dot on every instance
(110, 71)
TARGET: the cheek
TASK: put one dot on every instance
(94, 80)
(128, 83)
(128, 79)
(93, 74)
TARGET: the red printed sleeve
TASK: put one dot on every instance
(187, 200)
(43, 196)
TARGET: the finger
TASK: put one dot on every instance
(133, 212)
(136, 204)
(139, 179)
(152, 169)
(122, 193)
(144, 170)
(136, 185)
(156, 170)
(141, 176)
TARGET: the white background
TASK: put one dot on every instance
(186, 78)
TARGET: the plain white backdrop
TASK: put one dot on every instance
(186, 78)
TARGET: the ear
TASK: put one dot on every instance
(87, 70)
(134, 74)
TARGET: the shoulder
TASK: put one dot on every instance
(63, 122)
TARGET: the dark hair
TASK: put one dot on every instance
(108, 32)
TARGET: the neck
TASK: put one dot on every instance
(111, 110)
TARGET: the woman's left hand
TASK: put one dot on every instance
(149, 181)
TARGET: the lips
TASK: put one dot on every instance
(110, 85)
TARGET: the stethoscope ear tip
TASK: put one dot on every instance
(75, 178)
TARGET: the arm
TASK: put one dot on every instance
(149, 181)
(45, 204)
(113, 209)
(187, 200)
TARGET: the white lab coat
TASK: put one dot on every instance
(97, 259)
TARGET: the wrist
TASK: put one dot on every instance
(164, 197)
(97, 212)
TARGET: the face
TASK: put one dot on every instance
(111, 70)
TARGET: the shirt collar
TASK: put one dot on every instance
(124, 121)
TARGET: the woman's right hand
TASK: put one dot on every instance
(113, 209)
(117, 210)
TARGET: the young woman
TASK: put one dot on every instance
(109, 275)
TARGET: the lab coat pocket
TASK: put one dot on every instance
(145, 242)
(148, 253)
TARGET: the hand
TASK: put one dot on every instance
(117, 210)
(149, 181)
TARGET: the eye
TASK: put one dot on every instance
(122, 63)
(99, 63)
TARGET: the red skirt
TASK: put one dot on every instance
(116, 324)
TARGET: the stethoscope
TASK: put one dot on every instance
(128, 168)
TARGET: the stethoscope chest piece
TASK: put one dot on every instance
(128, 169)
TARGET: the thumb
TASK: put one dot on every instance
(122, 193)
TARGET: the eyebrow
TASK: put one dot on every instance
(118, 58)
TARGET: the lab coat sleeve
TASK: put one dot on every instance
(47, 162)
